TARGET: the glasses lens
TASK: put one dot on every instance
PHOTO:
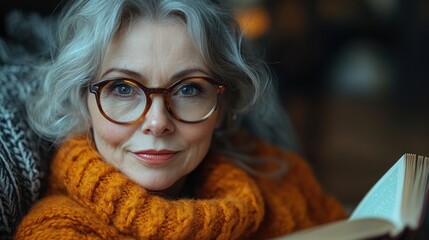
(122, 101)
(194, 99)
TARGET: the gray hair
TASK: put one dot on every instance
(87, 27)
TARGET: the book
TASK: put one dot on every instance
(394, 208)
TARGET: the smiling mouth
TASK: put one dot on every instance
(154, 157)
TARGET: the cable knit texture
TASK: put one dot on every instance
(89, 199)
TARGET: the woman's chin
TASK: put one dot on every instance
(169, 188)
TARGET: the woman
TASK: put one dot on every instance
(144, 99)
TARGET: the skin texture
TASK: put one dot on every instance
(157, 55)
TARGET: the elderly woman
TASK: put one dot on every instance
(148, 102)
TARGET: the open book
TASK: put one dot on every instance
(394, 206)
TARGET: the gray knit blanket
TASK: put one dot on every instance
(22, 158)
(20, 164)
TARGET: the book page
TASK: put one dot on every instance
(415, 191)
(344, 230)
(384, 200)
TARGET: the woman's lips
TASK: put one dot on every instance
(155, 157)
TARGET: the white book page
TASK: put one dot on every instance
(343, 230)
(384, 200)
(417, 176)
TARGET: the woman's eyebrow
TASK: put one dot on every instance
(130, 73)
(137, 76)
(185, 72)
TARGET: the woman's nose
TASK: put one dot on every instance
(158, 121)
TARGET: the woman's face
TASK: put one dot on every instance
(159, 151)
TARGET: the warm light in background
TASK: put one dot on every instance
(254, 22)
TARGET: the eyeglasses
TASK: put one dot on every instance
(125, 101)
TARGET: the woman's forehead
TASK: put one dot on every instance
(153, 49)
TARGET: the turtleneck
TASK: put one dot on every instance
(231, 205)
(90, 198)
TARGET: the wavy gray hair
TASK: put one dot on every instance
(87, 27)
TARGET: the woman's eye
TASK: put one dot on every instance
(123, 89)
(190, 90)
(187, 90)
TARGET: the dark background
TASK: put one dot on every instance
(44, 7)
(353, 75)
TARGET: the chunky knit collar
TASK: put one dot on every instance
(227, 204)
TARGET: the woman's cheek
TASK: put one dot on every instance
(113, 134)
(108, 132)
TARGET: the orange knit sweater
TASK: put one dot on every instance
(89, 199)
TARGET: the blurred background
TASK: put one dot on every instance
(353, 75)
